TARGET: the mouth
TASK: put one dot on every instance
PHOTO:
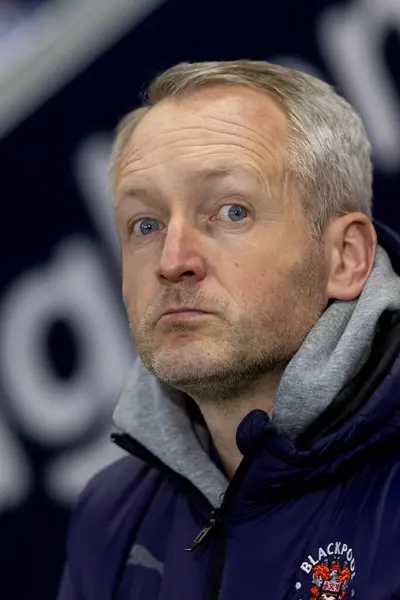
(183, 316)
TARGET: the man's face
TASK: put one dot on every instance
(207, 220)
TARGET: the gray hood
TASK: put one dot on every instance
(333, 352)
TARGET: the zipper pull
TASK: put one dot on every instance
(204, 532)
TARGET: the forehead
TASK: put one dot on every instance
(225, 125)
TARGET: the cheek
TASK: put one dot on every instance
(256, 280)
(253, 264)
(136, 290)
(248, 280)
(129, 297)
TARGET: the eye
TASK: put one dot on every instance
(145, 226)
(235, 212)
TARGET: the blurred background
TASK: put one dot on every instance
(69, 70)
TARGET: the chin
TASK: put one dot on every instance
(183, 364)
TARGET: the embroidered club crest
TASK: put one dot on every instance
(331, 571)
(330, 579)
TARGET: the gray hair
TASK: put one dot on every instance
(328, 154)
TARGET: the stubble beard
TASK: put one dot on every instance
(233, 357)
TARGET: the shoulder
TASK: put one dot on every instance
(115, 479)
(110, 489)
(110, 505)
(107, 512)
(102, 522)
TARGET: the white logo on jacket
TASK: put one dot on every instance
(332, 569)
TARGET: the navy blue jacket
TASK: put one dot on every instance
(319, 518)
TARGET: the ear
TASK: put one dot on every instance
(350, 243)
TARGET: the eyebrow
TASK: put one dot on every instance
(202, 176)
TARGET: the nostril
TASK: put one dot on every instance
(188, 274)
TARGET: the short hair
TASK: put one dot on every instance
(328, 153)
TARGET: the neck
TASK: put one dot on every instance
(223, 419)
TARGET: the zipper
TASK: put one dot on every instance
(217, 565)
(216, 528)
(205, 531)
(215, 525)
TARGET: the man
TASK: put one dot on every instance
(261, 417)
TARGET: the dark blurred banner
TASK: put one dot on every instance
(69, 69)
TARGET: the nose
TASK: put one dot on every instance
(181, 256)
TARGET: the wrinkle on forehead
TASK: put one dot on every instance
(246, 124)
(224, 172)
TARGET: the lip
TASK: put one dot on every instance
(183, 315)
(180, 309)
